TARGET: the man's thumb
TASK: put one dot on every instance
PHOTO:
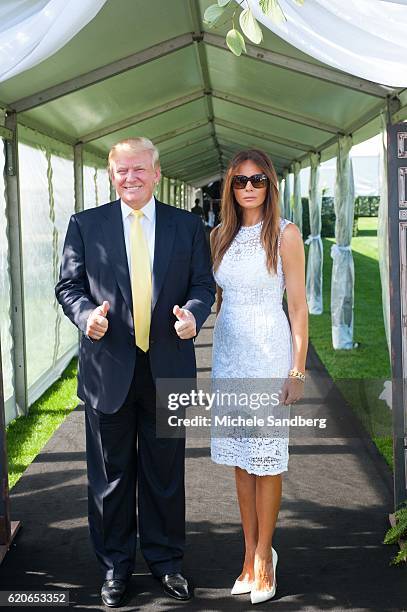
(104, 308)
(177, 311)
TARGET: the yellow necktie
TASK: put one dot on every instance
(140, 282)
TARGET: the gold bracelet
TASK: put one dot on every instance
(296, 374)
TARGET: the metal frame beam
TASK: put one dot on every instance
(210, 178)
(8, 528)
(323, 73)
(174, 164)
(397, 241)
(185, 168)
(184, 172)
(366, 118)
(235, 147)
(190, 127)
(13, 216)
(197, 36)
(78, 177)
(124, 64)
(207, 171)
(134, 119)
(291, 144)
(189, 143)
(276, 112)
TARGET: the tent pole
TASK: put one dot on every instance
(397, 215)
(13, 215)
(8, 528)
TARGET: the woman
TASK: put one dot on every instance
(256, 254)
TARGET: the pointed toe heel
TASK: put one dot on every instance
(241, 587)
(257, 597)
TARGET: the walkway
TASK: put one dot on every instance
(337, 495)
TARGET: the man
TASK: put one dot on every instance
(198, 210)
(127, 267)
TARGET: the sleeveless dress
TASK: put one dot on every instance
(252, 339)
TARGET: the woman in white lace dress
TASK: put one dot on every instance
(256, 255)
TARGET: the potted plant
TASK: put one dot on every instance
(398, 533)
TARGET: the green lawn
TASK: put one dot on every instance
(360, 372)
(26, 436)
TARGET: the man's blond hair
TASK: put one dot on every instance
(134, 145)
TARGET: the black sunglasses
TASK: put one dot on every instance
(258, 181)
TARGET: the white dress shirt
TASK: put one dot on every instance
(147, 223)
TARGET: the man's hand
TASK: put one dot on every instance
(97, 324)
(186, 324)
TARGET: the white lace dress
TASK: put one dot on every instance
(252, 339)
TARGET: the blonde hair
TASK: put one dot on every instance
(134, 145)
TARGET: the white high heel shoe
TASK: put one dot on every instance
(242, 586)
(261, 596)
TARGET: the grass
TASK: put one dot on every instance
(360, 372)
(26, 436)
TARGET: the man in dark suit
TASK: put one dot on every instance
(136, 280)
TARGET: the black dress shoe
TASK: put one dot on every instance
(113, 592)
(175, 585)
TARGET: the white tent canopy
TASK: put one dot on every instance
(120, 68)
(366, 38)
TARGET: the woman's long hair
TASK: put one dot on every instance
(231, 212)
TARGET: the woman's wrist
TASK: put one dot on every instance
(296, 373)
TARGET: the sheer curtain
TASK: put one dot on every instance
(316, 251)
(366, 38)
(32, 30)
(343, 273)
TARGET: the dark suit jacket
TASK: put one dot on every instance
(94, 268)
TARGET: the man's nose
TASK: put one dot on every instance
(131, 175)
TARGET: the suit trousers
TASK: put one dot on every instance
(124, 454)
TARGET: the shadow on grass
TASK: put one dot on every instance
(367, 232)
(368, 365)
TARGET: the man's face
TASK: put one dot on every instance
(134, 177)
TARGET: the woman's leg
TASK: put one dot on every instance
(246, 494)
(268, 499)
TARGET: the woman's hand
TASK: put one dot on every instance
(292, 391)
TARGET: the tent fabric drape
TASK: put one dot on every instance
(365, 38)
(32, 30)
(287, 196)
(382, 234)
(297, 202)
(315, 252)
(343, 274)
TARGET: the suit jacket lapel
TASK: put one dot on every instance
(164, 240)
(112, 225)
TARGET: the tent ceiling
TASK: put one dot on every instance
(169, 78)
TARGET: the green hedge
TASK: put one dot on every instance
(327, 219)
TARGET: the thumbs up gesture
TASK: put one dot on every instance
(186, 324)
(97, 324)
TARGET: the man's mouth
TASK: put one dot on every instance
(134, 188)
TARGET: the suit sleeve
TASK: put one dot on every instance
(201, 293)
(71, 289)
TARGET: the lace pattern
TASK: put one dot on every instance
(252, 339)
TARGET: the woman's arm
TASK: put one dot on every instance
(293, 261)
(218, 299)
(212, 239)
